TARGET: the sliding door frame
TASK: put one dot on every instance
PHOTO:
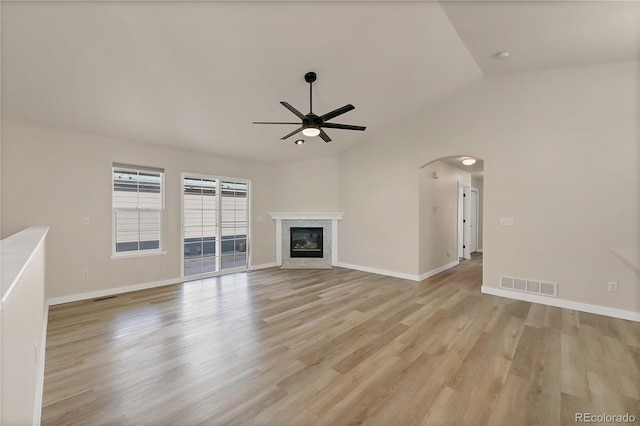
(219, 270)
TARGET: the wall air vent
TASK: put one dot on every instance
(549, 289)
(543, 288)
(506, 282)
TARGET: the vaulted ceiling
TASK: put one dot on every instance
(196, 74)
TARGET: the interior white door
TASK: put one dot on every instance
(466, 222)
(473, 220)
(460, 220)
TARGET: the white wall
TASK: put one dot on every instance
(56, 178)
(439, 215)
(560, 157)
(308, 186)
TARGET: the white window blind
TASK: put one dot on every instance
(138, 209)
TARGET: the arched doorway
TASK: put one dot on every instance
(451, 213)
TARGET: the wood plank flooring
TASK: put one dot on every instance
(334, 347)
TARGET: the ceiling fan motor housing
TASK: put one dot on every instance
(312, 120)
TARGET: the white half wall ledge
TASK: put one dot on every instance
(16, 251)
(563, 303)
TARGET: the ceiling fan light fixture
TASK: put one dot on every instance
(311, 131)
(468, 161)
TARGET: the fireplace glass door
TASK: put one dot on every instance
(306, 242)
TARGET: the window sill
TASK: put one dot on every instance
(138, 254)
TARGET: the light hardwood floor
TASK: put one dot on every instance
(334, 347)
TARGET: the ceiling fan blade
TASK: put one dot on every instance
(342, 126)
(272, 122)
(336, 112)
(292, 133)
(324, 136)
(293, 110)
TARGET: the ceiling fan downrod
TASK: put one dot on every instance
(310, 77)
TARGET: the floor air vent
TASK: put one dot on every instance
(529, 286)
(100, 299)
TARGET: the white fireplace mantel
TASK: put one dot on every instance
(332, 216)
(323, 215)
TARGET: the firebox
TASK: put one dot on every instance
(306, 242)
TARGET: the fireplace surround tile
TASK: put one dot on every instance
(306, 262)
(327, 221)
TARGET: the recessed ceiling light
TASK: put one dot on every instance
(468, 161)
(299, 141)
(503, 55)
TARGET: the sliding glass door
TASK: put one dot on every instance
(215, 224)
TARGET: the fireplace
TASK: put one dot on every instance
(326, 220)
(306, 242)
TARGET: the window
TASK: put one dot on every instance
(215, 223)
(138, 209)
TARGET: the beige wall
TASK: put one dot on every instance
(379, 193)
(56, 178)
(439, 215)
(560, 157)
(308, 186)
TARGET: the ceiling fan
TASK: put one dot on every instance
(313, 124)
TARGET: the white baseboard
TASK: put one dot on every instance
(144, 286)
(378, 271)
(396, 274)
(263, 266)
(438, 270)
(113, 291)
(562, 303)
(37, 406)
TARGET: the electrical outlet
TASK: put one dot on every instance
(613, 287)
(85, 274)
